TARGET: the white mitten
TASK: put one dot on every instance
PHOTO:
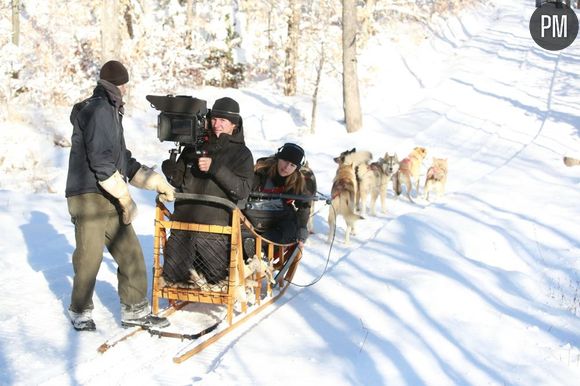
(117, 187)
(147, 178)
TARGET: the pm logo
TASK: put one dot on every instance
(554, 25)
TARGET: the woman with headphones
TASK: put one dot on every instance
(287, 219)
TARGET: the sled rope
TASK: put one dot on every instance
(327, 260)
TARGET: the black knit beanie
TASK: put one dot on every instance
(114, 72)
(226, 108)
(292, 153)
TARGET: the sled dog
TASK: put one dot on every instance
(365, 177)
(385, 168)
(368, 178)
(569, 161)
(353, 157)
(436, 177)
(409, 169)
(343, 192)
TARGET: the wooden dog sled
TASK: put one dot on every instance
(267, 285)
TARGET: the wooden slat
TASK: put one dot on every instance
(188, 295)
(184, 226)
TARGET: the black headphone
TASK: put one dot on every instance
(292, 145)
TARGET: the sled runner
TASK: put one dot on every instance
(249, 288)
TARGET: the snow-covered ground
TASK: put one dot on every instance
(480, 287)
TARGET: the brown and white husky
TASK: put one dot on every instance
(365, 178)
(436, 177)
(409, 170)
(343, 193)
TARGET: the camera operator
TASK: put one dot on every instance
(224, 169)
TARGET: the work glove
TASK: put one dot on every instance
(117, 187)
(147, 178)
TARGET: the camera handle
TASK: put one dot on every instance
(173, 155)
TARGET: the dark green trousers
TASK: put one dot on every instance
(97, 225)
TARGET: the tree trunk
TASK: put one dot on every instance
(128, 15)
(110, 30)
(350, 92)
(16, 22)
(189, 25)
(292, 50)
(270, 47)
(316, 87)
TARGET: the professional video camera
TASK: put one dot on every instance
(182, 119)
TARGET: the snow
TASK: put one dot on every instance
(478, 287)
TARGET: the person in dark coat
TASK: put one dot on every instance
(225, 170)
(101, 206)
(282, 173)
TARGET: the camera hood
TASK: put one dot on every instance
(178, 104)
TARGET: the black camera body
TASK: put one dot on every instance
(182, 119)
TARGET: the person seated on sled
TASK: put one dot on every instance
(224, 170)
(281, 220)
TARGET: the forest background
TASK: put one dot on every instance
(52, 50)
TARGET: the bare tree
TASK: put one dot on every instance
(110, 30)
(189, 23)
(316, 87)
(16, 22)
(350, 92)
(128, 15)
(292, 49)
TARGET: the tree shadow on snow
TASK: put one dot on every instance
(410, 250)
(414, 230)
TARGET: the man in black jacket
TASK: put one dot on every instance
(101, 207)
(226, 171)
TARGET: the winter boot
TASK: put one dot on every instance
(147, 321)
(82, 321)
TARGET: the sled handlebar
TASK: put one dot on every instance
(205, 198)
(228, 204)
(288, 196)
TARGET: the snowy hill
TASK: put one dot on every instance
(480, 287)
